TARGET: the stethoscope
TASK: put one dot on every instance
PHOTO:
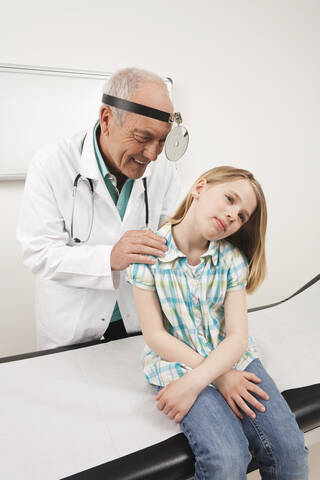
(175, 145)
(89, 182)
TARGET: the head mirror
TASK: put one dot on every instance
(177, 140)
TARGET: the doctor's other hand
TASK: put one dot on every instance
(136, 246)
(235, 386)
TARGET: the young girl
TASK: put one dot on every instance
(191, 303)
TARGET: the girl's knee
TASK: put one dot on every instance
(236, 462)
(228, 464)
(292, 455)
(292, 445)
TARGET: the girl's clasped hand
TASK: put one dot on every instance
(176, 399)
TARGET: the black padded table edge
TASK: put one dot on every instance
(50, 351)
(171, 459)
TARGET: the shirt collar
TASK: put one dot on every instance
(213, 251)
(173, 252)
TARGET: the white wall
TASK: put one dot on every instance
(246, 76)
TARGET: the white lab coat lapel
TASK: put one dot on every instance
(88, 163)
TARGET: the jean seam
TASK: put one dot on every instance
(196, 452)
(266, 446)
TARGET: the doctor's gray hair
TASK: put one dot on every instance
(123, 84)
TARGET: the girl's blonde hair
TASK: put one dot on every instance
(250, 238)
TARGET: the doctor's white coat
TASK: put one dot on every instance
(75, 288)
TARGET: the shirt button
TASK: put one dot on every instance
(102, 320)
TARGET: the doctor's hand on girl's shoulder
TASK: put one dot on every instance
(235, 386)
(176, 399)
(136, 246)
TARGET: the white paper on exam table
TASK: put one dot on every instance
(67, 412)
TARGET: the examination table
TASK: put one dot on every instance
(86, 411)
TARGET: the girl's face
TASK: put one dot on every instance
(222, 208)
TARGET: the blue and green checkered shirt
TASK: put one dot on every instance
(192, 301)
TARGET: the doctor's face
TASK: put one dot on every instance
(130, 147)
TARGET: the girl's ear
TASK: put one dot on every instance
(199, 187)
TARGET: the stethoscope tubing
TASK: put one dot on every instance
(89, 181)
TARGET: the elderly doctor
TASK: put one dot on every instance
(86, 205)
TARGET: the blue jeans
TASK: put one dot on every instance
(222, 443)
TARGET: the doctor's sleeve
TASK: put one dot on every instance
(44, 239)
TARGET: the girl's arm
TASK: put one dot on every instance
(177, 398)
(231, 349)
(157, 338)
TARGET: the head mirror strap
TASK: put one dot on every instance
(136, 108)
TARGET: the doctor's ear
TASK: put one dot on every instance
(106, 118)
(198, 187)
